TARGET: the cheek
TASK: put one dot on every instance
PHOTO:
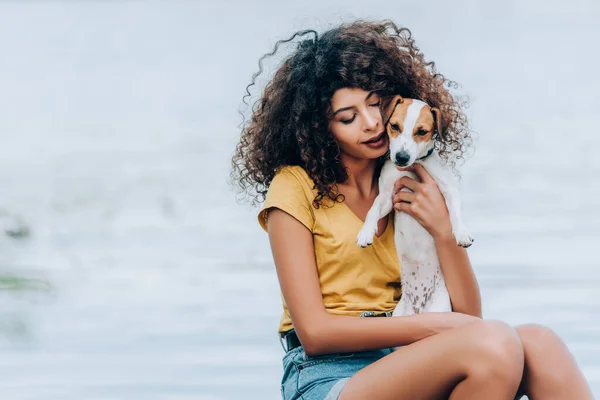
(345, 135)
(376, 114)
(423, 141)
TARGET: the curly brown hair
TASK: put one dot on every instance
(289, 124)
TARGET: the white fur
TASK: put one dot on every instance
(423, 285)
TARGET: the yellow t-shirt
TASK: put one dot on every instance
(352, 279)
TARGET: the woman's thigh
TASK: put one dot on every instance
(431, 368)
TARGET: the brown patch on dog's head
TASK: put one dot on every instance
(425, 126)
(393, 111)
(388, 105)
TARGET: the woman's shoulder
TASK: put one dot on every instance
(291, 177)
(293, 171)
(292, 191)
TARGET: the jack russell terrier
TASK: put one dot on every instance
(410, 125)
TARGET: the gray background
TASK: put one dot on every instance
(143, 278)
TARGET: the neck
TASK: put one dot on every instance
(361, 175)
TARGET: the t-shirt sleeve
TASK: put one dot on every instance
(288, 193)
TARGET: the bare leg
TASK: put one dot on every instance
(482, 360)
(550, 370)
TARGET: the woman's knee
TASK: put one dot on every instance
(538, 338)
(498, 351)
(545, 352)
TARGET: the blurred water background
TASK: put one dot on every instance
(130, 272)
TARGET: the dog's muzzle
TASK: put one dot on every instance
(402, 158)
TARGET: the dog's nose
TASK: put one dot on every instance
(402, 158)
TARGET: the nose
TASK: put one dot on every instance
(372, 121)
(402, 158)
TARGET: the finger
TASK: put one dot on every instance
(422, 173)
(408, 208)
(407, 197)
(400, 206)
(408, 182)
(397, 186)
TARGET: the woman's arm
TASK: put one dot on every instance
(426, 204)
(459, 276)
(321, 332)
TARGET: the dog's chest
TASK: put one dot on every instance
(413, 243)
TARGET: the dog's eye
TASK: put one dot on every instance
(395, 127)
(421, 132)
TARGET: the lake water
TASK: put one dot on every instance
(142, 278)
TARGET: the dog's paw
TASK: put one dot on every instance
(366, 235)
(463, 238)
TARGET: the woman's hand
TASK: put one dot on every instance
(425, 203)
(451, 320)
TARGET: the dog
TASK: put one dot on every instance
(411, 125)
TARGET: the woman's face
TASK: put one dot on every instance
(355, 121)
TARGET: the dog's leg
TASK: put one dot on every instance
(453, 202)
(382, 206)
(449, 189)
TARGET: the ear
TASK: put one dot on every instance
(437, 117)
(388, 105)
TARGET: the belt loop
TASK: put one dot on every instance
(367, 314)
(281, 340)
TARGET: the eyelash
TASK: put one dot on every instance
(349, 121)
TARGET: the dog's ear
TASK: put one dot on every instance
(437, 117)
(388, 105)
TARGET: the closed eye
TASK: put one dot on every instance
(349, 121)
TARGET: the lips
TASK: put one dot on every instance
(376, 138)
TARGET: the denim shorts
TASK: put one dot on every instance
(322, 377)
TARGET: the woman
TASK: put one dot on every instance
(312, 148)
